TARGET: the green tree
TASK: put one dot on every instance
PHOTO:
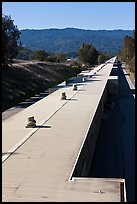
(88, 54)
(101, 58)
(129, 48)
(41, 55)
(60, 56)
(25, 53)
(76, 67)
(51, 58)
(10, 35)
(127, 53)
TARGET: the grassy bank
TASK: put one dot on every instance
(25, 79)
(131, 73)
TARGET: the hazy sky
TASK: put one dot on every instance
(85, 15)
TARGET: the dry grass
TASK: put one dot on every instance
(24, 79)
(131, 74)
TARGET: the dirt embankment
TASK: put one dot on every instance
(25, 79)
(131, 74)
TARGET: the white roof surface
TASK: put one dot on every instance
(43, 158)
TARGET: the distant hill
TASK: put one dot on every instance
(70, 39)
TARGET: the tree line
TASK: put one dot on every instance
(127, 54)
(12, 48)
(10, 35)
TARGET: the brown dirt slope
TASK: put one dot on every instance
(25, 79)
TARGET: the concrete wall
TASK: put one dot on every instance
(112, 85)
(86, 156)
(85, 159)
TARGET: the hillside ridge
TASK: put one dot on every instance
(70, 39)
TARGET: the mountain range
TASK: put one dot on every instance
(69, 40)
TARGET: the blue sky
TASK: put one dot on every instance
(84, 15)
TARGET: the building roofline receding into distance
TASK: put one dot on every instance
(50, 162)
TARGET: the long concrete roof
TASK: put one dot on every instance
(38, 162)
